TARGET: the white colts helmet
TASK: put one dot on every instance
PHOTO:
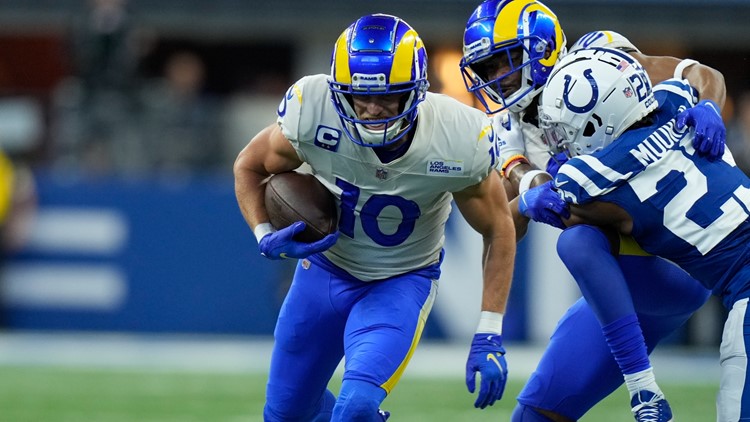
(592, 96)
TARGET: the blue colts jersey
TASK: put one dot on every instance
(685, 208)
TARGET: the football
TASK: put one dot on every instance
(293, 196)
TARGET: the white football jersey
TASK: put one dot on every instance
(392, 216)
(517, 137)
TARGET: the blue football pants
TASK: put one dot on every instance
(328, 315)
(577, 369)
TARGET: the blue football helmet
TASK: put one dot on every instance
(522, 36)
(378, 55)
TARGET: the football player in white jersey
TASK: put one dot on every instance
(395, 157)
(634, 167)
(510, 47)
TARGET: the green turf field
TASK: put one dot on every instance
(33, 394)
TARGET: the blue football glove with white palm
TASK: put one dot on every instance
(487, 356)
(543, 204)
(710, 133)
(280, 244)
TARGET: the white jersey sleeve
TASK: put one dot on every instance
(296, 115)
(608, 39)
(392, 215)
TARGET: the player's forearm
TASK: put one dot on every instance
(520, 222)
(485, 207)
(523, 177)
(498, 260)
(269, 152)
(249, 191)
(708, 82)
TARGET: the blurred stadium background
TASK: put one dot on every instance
(129, 114)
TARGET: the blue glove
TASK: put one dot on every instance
(280, 244)
(487, 356)
(710, 133)
(554, 163)
(543, 204)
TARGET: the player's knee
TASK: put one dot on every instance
(358, 401)
(523, 413)
(575, 241)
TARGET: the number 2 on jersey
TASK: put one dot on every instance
(677, 208)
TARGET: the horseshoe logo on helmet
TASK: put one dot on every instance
(594, 93)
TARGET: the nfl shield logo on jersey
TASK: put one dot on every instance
(381, 173)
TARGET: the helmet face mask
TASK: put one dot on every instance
(556, 135)
(487, 74)
(378, 55)
(525, 30)
(592, 97)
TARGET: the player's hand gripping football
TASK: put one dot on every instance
(710, 133)
(487, 356)
(543, 204)
(280, 244)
